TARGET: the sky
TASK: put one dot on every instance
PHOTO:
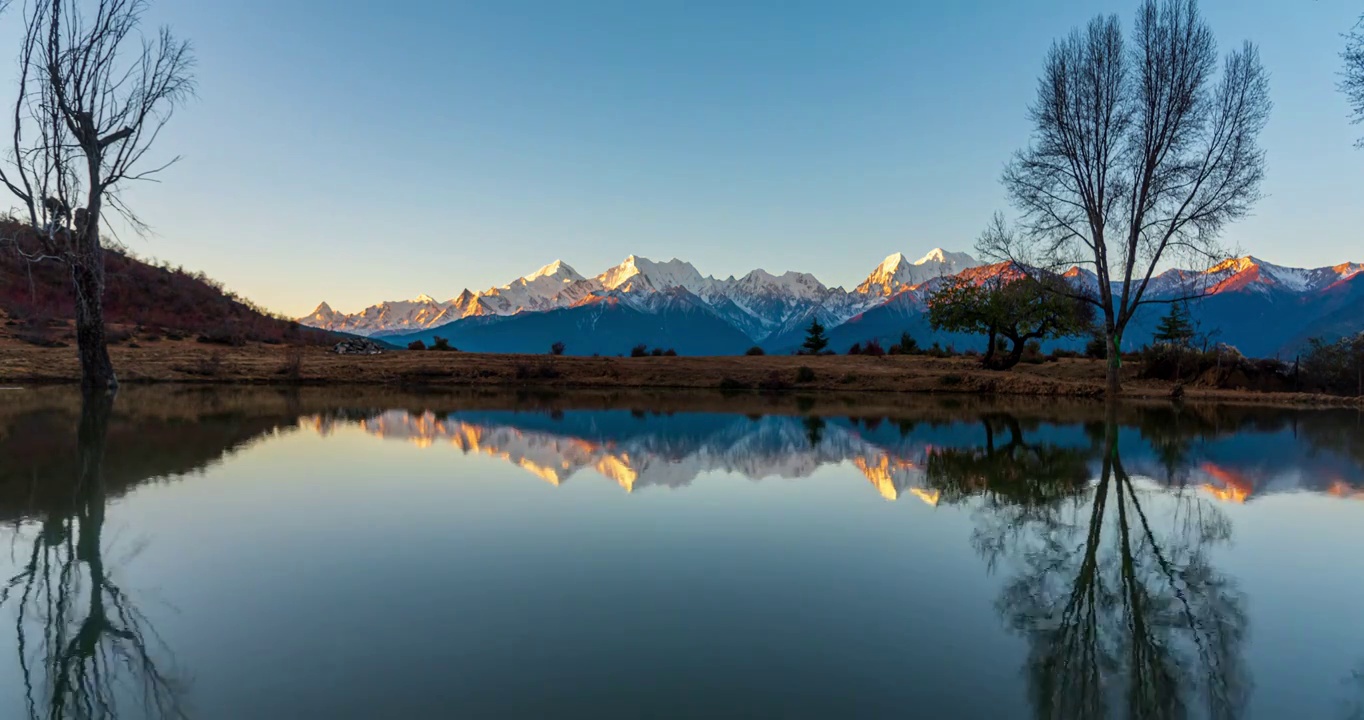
(354, 152)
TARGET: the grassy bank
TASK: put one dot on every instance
(169, 361)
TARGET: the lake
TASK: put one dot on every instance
(357, 553)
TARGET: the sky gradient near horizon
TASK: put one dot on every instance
(355, 152)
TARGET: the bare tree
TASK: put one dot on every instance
(85, 649)
(93, 95)
(1352, 79)
(1140, 156)
(1124, 612)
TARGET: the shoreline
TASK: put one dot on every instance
(191, 363)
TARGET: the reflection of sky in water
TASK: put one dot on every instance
(400, 566)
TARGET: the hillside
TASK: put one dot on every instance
(140, 298)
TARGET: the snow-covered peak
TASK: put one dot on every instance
(893, 263)
(788, 284)
(638, 273)
(896, 272)
(961, 261)
(558, 270)
(1234, 265)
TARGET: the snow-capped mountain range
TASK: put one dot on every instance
(1260, 307)
(768, 299)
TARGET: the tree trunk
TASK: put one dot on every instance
(1013, 358)
(87, 278)
(989, 359)
(1114, 379)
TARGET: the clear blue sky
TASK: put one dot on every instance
(360, 151)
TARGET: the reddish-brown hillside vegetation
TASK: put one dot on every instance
(140, 298)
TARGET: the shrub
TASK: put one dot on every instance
(41, 339)
(230, 337)
(416, 345)
(537, 371)
(755, 350)
(557, 348)
(774, 382)
(856, 349)
(804, 374)
(670, 353)
(1059, 353)
(1164, 361)
(292, 369)
(640, 350)
(441, 344)
(1096, 348)
(873, 348)
(657, 352)
(115, 336)
(1336, 367)
(1221, 367)
(209, 365)
(729, 383)
(1032, 353)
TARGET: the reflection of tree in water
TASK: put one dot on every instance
(814, 429)
(1352, 708)
(82, 642)
(1124, 613)
(1019, 483)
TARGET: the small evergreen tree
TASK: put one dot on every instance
(815, 339)
(907, 345)
(1176, 328)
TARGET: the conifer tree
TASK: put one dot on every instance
(815, 339)
(1175, 328)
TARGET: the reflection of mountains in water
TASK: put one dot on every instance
(639, 450)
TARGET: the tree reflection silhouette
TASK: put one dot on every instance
(82, 642)
(1123, 611)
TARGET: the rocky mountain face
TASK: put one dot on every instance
(1261, 308)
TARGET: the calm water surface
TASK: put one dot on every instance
(313, 554)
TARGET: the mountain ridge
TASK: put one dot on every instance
(770, 297)
(1265, 306)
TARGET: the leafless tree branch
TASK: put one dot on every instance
(1143, 151)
